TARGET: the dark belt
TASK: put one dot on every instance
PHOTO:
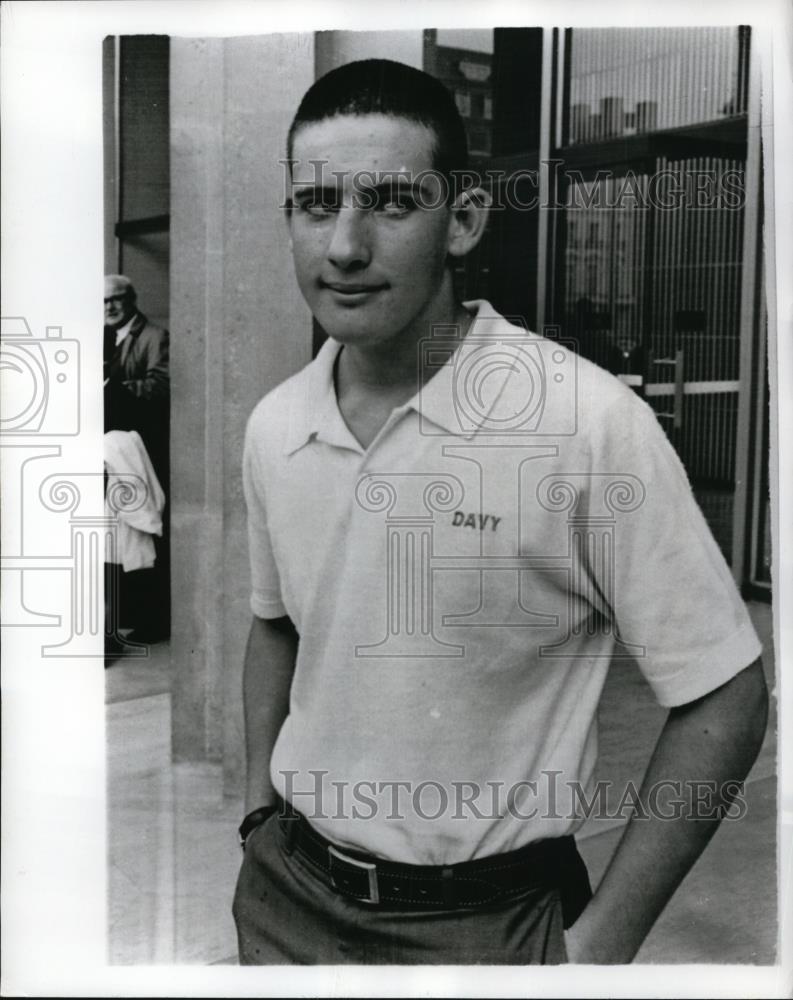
(542, 865)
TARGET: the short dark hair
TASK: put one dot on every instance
(385, 87)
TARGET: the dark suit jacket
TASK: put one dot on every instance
(140, 360)
(138, 388)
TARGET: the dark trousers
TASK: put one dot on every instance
(287, 914)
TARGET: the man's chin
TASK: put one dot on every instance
(354, 337)
(351, 327)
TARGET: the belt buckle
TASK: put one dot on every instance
(371, 870)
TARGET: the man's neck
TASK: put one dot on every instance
(123, 330)
(392, 368)
(371, 382)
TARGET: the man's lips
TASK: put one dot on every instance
(345, 288)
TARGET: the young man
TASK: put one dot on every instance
(454, 525)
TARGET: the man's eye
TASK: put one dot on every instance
(394, 204)
(395, 208)
(318, 209)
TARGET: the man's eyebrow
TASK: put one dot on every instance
(322, 191)
(398, 182)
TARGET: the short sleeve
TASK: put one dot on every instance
(672, 593)
(266, 600)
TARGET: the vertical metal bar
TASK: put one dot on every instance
(724, 291)
(643, 257)
(723, 86)
(716, 285)
(716, 103)
(603, 61)
(730, 67)
(661, 229)
(651, 88)
(670, 276)
(722, 343)
(706, 92)
(613, 217)
(760, 442)
(692, 340)
(575, 54)
(626, 42)
(626, 65)
(701, 277)
(575, 101)
(691, 49)
(748, 318)
(672, 75)
(565, 69)
(591, 87)
(702, 62)
(682, 76)
(661, 82)
(562, 58)
(679, 389)
(744, 67)
(546, 126)
(669, 69)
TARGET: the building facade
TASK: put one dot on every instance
(625, 172)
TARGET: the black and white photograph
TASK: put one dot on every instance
(398, 309)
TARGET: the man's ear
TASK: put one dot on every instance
(469, 213)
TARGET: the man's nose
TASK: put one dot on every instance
(350, 243)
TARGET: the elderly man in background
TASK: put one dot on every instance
(136, 372)
(136, 398)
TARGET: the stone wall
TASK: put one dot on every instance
(238, 327)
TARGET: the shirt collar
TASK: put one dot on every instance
(315, 411)
(122, 331)
(458, 399)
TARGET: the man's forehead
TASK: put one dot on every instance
(115, 287)
(343, 144)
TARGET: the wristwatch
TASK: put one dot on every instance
(254, 819)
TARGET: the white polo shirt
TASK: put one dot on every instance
(461, 585)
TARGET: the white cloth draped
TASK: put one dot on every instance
(129, 467)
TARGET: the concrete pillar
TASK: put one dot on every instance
(238, 327)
